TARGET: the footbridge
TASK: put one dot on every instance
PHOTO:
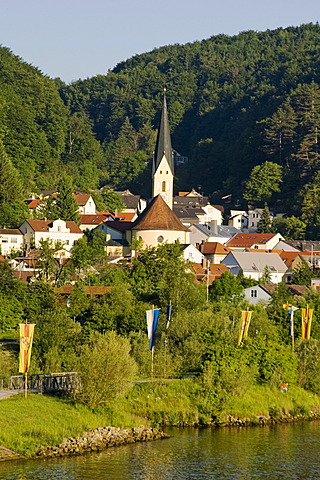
(52, 383)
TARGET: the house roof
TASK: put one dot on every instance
(214, 248)
(44, 225)
(32, 202)
(81, 198)
(88, 289)
(10, 231)
(2, 259)
(182, 212)
(130, 200)
(94, 219)
(248, 239)
(294, 289)
(158, 216)
(288, 257)
(258, 261)
(125, 216)
(305, 245)
(118, 225)
(163, 143)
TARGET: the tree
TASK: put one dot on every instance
(226, 288)
(67, 207)
(264, 180)
(302, 275)
(10, 181)
(292, 228)
(106, 369)
(112, 200)
(264, 224)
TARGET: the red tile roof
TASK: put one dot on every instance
(88, 289)
(44, 225)
(125, 216)
(81, 198)
(249, 239)
(158, 216)
(94, 219)
(32, 202)
(214, 248)
(10, 231)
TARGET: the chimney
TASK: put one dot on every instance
(214, 227)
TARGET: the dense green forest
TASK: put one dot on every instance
(234, 103)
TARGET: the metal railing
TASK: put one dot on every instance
(46, 382)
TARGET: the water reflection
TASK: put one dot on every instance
(276, 452)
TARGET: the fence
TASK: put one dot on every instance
(46, 383)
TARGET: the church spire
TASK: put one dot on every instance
(163, 144)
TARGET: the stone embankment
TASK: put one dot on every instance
(100, 439)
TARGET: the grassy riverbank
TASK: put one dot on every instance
(27, 424)
(185, 402)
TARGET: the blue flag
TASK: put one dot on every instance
(152, 322)
(168, 313)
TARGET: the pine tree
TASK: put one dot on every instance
(67, 207)
(264, 224)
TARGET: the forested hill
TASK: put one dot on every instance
(234, 102)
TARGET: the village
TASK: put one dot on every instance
(213, 238)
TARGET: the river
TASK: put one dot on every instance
(272, 452)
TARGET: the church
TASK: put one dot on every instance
(158, 223)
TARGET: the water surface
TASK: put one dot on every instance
(272, 452)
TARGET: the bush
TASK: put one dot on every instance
(106, 369)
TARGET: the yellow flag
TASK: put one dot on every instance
(245, 322)
(26, 337)
(306, 317)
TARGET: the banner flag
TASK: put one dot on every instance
(152, 322)
(306, 317)
(245, 323)
(291, 310)
(168, 314)
(247, 315)
(26, 337)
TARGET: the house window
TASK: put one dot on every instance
(254, 293)
(4, 240)
(66, 242)
(252, 224)
(14, 240)
(160, 172)
(163, 186)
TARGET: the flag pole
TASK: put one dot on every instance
(152, 350)
(292, 329)
(26, 377)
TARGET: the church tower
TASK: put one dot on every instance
(163, 161)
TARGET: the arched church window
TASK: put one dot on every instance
(163, 186)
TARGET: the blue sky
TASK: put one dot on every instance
(74, 39)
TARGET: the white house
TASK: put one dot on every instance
(238, 219)
(263, 293)
(255, 264)
(86, 204)
(191, 253)
(60, 231)
(11, 240)
(258, 241)
(254, 217)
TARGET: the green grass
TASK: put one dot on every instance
(264, 401)
(28, 423)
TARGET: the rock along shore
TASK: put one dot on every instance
(100, 439)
